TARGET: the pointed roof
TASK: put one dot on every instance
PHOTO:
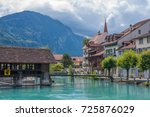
(105, 27)
(98, 38)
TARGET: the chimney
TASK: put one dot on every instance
(131, 27)
(99, 32)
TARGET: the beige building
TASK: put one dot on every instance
(138, 44)
(142, 42)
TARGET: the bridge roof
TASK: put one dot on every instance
(25, 55)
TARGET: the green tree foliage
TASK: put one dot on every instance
(70, 70)
(145, 61)
(128, 60)
(85, 41)
(109, 63)
(66, 61)
(56, 67)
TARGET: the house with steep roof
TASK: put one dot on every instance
(16, 63)
(111, 44)
(130, 38)
(94, 50)
(110, 49)
(104, 44)
(115, 44)
(135, 31)
(136, 37)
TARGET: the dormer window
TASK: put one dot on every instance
(139, 31)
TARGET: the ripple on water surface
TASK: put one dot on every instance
(78, 89)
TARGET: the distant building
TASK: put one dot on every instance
(58, 57)
(77, 61)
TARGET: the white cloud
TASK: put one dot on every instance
(122, 25)
(61, 6)
(11, 6)
(88, 15)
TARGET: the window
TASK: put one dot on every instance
(139, 31)
(114, 50)
(148, 39)
(141, 41)
(109, 51)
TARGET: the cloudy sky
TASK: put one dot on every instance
(85, 16)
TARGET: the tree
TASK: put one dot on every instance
(128, 60)
(109, 63)
(85, 41)
(145, 61)
(66, 61)
(70, 70)
(56, 67)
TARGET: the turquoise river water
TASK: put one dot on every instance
(78, 89)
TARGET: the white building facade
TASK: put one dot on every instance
(138, 37)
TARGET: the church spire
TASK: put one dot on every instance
(105, 27)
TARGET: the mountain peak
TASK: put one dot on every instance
(32, 29)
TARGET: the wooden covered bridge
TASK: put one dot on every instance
(20, 66)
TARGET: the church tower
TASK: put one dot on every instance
(105, 27)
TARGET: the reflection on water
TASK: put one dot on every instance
(78, 88)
